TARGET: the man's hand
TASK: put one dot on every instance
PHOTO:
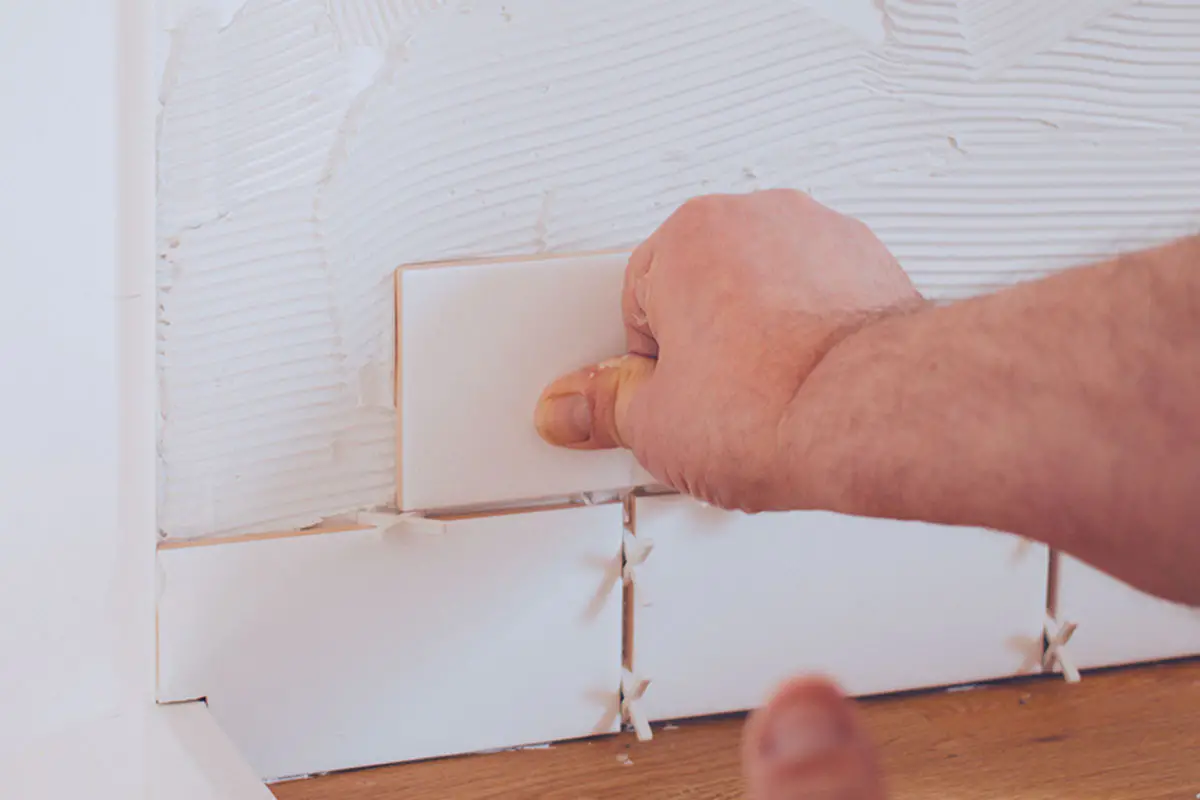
(771, 366)
(728, 307)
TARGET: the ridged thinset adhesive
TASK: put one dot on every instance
(1001, 33)
(1137, 67)
(309, 147)
(379, 23)
(263, 427)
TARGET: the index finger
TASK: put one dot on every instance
(639, 335)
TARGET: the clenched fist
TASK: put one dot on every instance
(729, 306)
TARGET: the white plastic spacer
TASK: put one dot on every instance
(598, 497)
(1057, 636)
(401, 523)
(637, 550)
(632, 690)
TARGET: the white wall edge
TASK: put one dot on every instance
(196, 760)
(143, 752)
(135, 336)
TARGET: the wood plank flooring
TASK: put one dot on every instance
(1130, 734)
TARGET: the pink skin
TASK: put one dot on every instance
(809, 743)
(780, 358)
(717, 330)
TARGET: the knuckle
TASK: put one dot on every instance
(695, 219)
(792, 197)
(701, 208)
(860, 228)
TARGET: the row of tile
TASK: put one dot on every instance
(338, 650)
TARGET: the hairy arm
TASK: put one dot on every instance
(780, 358)
(1066, 410)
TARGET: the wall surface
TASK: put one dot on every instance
(76, 414)
(308, 147)
(58, 357)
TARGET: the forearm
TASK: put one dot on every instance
(1066, 410)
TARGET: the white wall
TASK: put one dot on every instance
(76, 413)
(308, 147)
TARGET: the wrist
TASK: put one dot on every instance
(836, 437)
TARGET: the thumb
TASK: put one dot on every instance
(589, 409)
(810, 742)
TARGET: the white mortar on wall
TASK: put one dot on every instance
(307, 148)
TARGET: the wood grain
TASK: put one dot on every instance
(1121, 735)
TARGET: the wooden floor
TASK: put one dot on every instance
(1122, 735)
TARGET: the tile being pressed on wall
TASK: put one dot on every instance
(476, 344)
(727, 606)
(337, 650)
(1118, 624)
